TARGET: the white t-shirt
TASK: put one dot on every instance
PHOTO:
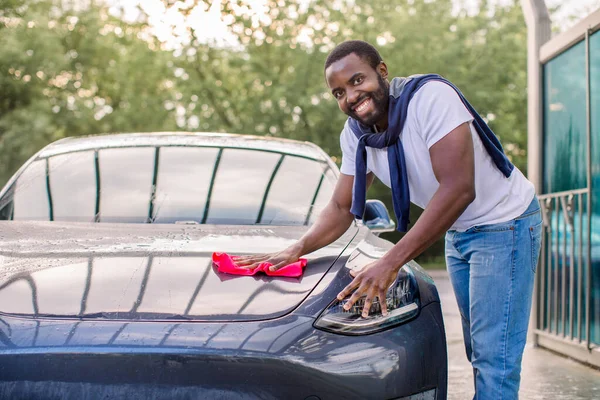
(434, 111)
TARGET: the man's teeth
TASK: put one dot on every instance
(363, 105)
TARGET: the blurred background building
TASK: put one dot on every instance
(564, 163)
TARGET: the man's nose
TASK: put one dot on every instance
(351, 97)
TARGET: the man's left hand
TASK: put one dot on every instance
(372, 281)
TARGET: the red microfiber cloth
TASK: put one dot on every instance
(226, 264)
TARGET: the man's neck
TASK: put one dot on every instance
(380, 127)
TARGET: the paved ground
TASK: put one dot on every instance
(545, 375)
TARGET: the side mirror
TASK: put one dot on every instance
(377, 217)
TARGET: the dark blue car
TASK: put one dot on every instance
(107, 288)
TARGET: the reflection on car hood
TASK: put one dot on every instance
(148, 272)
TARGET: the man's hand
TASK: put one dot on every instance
(332, 222)
(373, 281)
(279, 260)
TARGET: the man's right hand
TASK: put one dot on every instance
(332, 222)
(279, 260)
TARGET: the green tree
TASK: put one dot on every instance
(69, 72)
(271, 82)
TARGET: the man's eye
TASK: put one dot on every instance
(358, 81)
(337, 95)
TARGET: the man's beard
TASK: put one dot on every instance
(380, 99)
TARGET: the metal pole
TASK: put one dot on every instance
(563, 272)
(556, 265)
(542, 275)
(151, 216)
(212, 183)
(571, 209)
(580, 265)
(314, 199)
(539, 31)
(268, 189)
(589, 185)
(49, 191)
(550, 262)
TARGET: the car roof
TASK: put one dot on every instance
(201, 139)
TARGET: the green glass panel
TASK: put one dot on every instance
(564, 168)
(595, 139)
(565, 121)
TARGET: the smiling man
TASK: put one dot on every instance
(423, 139)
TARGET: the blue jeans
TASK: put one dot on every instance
(492, 270)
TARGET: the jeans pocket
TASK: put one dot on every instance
(500, 227)
(536, 241)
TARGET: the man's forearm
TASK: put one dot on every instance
(329, 226)
(447, 204)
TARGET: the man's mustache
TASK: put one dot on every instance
(362, 98)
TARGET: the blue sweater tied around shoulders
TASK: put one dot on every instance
(398, 108)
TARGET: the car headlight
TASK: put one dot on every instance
(402, 304)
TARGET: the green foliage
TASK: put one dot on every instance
(67, 70)
(483, 54)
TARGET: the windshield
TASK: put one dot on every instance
(171, 184)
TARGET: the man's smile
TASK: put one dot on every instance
(362, 107)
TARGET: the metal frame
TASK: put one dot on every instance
(588, 113)
(49, 191)
(212, 184)
(538, 33)
(314, 199)
(153, 187)
(129, 146)
(564, 213)
(152, 195)
(98, 187)
(263, 203)
(562, 325)
(568, 39)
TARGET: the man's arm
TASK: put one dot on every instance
(331, 223)
(452, 159)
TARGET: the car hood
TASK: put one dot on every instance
(148, 271)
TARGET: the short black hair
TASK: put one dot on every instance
(362, 49)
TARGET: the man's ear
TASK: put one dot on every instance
(382, 70)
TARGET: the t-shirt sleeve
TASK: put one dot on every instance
(348, 151)
(438, 110)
